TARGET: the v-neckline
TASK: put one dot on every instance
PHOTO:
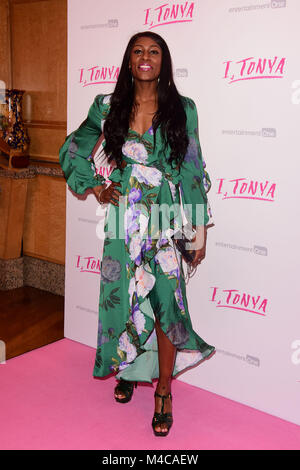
(141, 135)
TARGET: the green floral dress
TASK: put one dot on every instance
(141, 269)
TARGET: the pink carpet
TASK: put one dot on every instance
(50, 400)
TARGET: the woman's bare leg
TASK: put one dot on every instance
(166, 358)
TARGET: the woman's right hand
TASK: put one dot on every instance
(108, 194)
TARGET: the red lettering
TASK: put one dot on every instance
(220, 185)
(116, 73)
(97, 74)
(89, 259)
(236, 184)
(190, 10)
(103, 73)
(280, 66)
(183, 9)
(167, 12)
(271, 65)
(253, 190)
(227, 68)
(244, 64)
(160, 11)
(243, 188)
(245, 301)
(174, 11)
(262, 188)
(147, 15)
(272, 190)
(261, 68)
(214, 293)
(110, 71)
(251, 68)
(263, 305)
(92, 72)
(255, 302)
(229, 294)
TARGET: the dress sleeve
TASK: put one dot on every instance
(195, 182)
(75, 154)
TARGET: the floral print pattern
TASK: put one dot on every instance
(126, 346)
(135, 151)
(141, 273)
(146, 175)
(110, 269)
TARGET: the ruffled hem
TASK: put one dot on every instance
(139, 372)
(145, 366)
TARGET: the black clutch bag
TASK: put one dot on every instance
(183, 237)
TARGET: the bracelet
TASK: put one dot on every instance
(99, 195)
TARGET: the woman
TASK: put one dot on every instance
(150, 134)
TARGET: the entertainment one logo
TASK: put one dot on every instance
(88, 264)
(168, 13)
(264, 132)
(242, 188)
(88, 310)
(98, 75)
(256, 249)
(252, 360)
(252, 68)
(262, 6)
(233, 298)
(181, 73)
(113, 23)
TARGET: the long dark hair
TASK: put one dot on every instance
(170, 114)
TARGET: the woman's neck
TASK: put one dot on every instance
(145, 91)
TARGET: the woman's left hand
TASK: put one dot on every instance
(199, 256)
(201, 236)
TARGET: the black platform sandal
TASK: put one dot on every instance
(126, 388)
(162, 418)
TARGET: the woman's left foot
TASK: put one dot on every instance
(162, 419)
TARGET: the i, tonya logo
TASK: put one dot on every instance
(252, 69)
(233, 298)
(242, 188)
(88, 264)
(168, 13)
(98, 75)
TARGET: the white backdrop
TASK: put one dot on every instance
(239, 61)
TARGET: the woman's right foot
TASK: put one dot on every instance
(124, 390)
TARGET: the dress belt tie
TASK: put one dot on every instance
(172, 174)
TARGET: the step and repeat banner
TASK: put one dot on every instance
(239, 61)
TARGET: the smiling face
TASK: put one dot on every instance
(145, 59)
